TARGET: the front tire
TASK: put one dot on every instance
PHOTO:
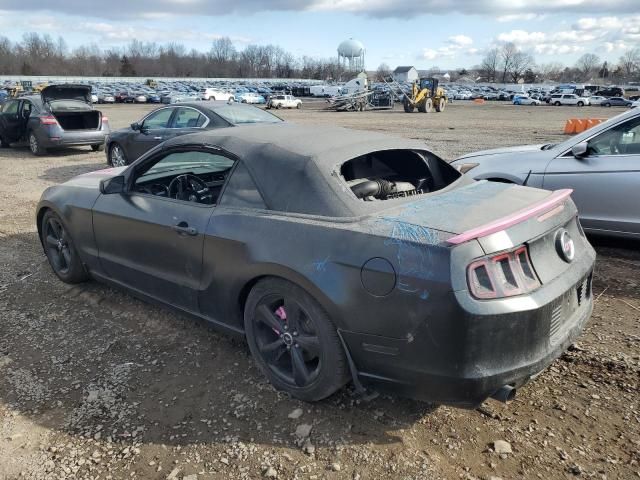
(60, 250)
(581, 104)
(34, 145)
(4, 143)
(117, 157)
(441, 105)
(557, 104)
(293, 341)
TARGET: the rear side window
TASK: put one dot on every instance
(188, 118)
(241, 190)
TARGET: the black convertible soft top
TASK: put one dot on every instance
(297, 167)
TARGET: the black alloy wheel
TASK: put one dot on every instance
(60, 250)
(293, 341)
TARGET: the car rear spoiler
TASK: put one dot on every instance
(507, 221)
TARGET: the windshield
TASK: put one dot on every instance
(238, 114)
(68, 105)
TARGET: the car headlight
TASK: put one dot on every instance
(465, 167)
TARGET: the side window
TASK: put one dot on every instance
(188, 118)
(159, 119)
(11, 107)
(241, 190)
(27, 109)
(194, 176)
(623, 139)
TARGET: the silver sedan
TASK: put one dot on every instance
(601, 165)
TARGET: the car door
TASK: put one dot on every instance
(150, 242)
(153, 130)
(606, 180)
(10, 121)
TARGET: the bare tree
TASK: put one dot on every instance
(551, 71)
(520, 63)
(489, 65)
(630, 61)
(383, 72)
(507, 52)
(587, 65)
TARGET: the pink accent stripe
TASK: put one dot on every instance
(512, 219)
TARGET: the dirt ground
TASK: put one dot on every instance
(95, 384)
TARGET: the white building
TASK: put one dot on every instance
(405, 74)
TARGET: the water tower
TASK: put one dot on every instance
(351, 55)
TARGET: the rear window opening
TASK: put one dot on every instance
(389, 174)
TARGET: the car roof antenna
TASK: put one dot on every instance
(524, 184)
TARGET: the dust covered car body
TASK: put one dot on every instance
(61, 116)
(339, 255)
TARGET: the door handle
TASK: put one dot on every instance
(184, 229)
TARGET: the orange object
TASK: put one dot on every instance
(592, 122)
(581, 125)
(570, 126)
(478, 100)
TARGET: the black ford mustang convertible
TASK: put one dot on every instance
(340, 255)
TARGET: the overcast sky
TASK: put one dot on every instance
(451, 33)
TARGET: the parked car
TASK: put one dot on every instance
(601, 165)
(635, 104)
(596, 99)
(284, 101)
(451, 290)
(611, 92)
(106, 98)
(61, 116)
(125, 145)
(251, 98)
(616, 102)
(215, 94)
(568, 99)
(525, 100)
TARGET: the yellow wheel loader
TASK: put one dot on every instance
(425, 95)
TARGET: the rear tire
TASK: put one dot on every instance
(581, 104)
(34, 145)
(293, 341)
(98, 147)
(60, 250)
(428, 105)
(606, 104)
(441, 105)
(557, 104)
(299, 106)
(4, 143)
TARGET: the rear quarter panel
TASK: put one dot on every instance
(326, 259)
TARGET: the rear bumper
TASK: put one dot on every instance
(70, 138)
(466, 358)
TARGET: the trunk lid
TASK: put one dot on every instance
(481, 209)
(66, 92)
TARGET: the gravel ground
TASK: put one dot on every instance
(96, 384)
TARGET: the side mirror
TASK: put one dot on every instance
(580, 150)
(112, 185)
(136, 126)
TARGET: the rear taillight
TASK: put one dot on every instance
(503, 275)
(105, 119)
(48, 120)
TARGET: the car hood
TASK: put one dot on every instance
(466, 208)
(504, 150)
(66, 92)
(93, 179)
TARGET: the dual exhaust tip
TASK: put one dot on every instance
(505, 394)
